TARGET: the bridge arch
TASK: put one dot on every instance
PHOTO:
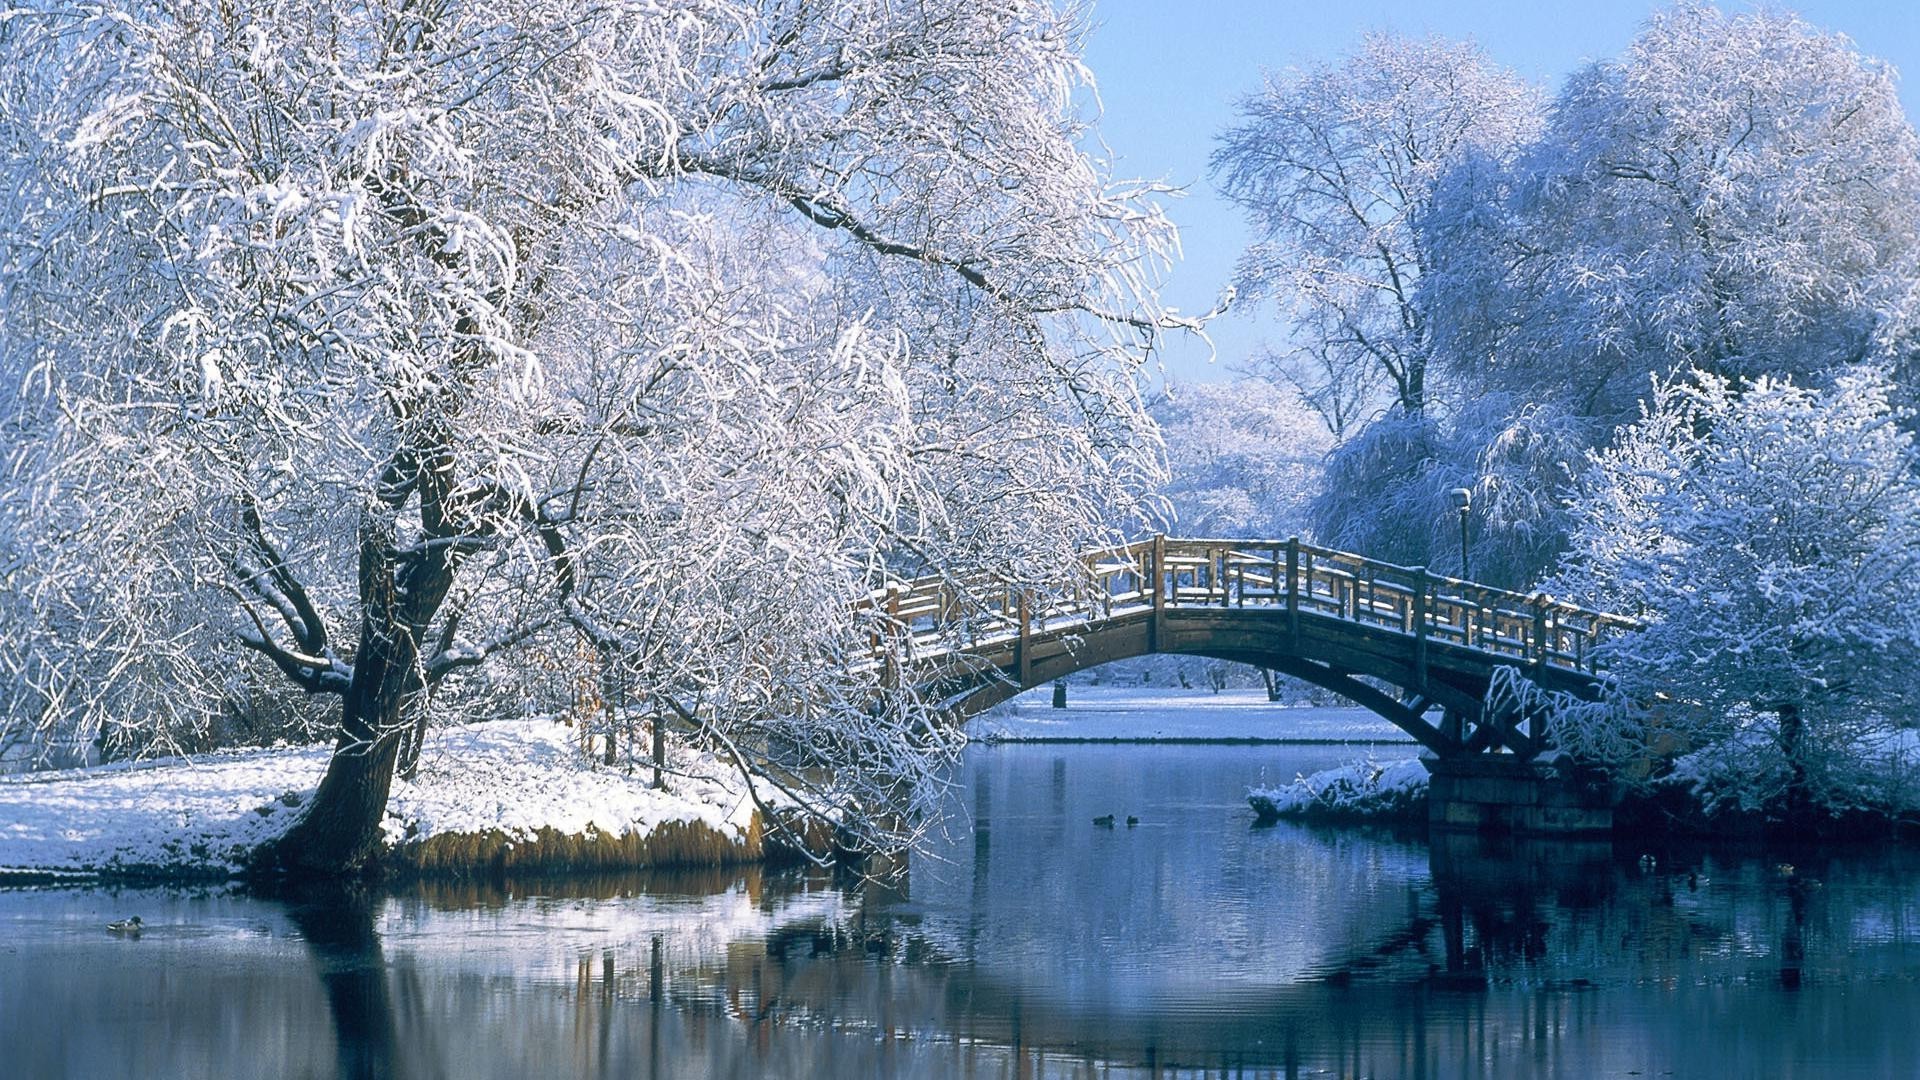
(1323, 616)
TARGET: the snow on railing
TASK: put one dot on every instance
(933, 617)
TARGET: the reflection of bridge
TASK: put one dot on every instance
(1327, 617)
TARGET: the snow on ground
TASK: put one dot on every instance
(520, 776)
(170, 811)
(1360, 789)
(206, 813)
(1128, 712)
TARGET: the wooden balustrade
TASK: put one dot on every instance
(935, 616)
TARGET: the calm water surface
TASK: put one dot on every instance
(1030, 943)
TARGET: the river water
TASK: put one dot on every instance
(1028, 942)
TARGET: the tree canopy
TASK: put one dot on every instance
(395, 352)
(1770, 537)
(1735, 195)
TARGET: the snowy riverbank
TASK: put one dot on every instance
(482, 792)
(1126, 713)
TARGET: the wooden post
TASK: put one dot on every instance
(1293, 591)
(1226, 561)
(1420, 626)
(1023, 652)
(1160, 587)
(890, 669)
(1540, 602)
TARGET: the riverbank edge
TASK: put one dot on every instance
(494, 798)
(496, 853)
(1664, 815)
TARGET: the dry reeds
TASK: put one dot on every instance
(550, 851)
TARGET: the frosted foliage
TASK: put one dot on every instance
(1388, 491)
(624, 343)
(1770, 538)
(1735, 193)
(1245, 458)
(1738, 193)
(1336, 167)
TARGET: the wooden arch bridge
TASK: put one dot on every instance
(1330, 618)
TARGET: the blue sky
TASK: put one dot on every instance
(1170, 71)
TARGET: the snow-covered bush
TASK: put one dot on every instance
(1364, 789)
(1769, 535)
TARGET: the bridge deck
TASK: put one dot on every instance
(1318, 614)
(941, 616)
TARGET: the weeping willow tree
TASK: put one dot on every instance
(375, 348)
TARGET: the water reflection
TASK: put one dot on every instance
(338, 925)
(1031, 943)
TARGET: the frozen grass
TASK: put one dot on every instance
(1129, 713)
(513, 784)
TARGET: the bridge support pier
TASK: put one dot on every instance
(1505, 793)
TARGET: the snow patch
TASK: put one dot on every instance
(205, 814)
(521, 776)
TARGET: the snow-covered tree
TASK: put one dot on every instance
(386, 346)
(1244, 458)
(1769, 535)
(1737, 194)
(1389, 491)
(1335, 167)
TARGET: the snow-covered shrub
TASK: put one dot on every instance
(1363, 789)
(1769, 534)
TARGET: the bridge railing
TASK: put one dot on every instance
(935, 616)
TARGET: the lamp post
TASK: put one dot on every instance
(1463, 502)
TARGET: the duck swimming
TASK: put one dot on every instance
(126, 926)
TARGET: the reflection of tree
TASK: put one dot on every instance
(1793, 939)
(1535, 951)
(337, 922)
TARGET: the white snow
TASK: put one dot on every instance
(1361, 787)
(206, 813)
(1878, 771)
(1125, 712)
(521, 776)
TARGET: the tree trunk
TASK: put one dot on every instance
(1799, 806)
(340, 832)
